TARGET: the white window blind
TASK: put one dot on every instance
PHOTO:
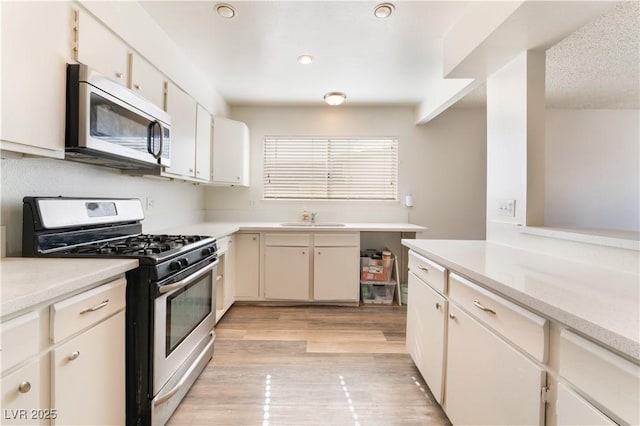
(331, 168)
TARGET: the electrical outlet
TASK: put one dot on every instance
(150, 203)
(507, 208)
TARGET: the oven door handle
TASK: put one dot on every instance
(164, 398)
(170, 287)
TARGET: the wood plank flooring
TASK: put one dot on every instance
(310, 365)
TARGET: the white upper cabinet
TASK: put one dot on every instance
(182, 109)
(35, 50)
(230, 156)
(146, 80)
(190, 137)
(203, 144)
(100, 49)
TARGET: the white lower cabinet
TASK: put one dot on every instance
(88, 375)
(286, 273)
(25, 396)
(574, 410)
(336, 263)
(247, 266)
(488, 382)
(426, 333)
(65, 362)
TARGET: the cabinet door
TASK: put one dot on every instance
(88, 376)
(488, 381)
(426, 312)
(574, 410)
(34, 76)
(247, 266)
(286, 273)
(182, 109)
(24, 397)
(230, 277)
(146, 80)
(101, 49)
(203, 144)
(230, 162)
(335, 273)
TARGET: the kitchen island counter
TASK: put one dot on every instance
(598, 302)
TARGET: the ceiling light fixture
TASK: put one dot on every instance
(225, 11)
(383, 10)
(334, 98)
(305, 59)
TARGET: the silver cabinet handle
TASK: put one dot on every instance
(424, 268)
(137, 86)
(437, 305)
(120, 75)
(74, 355)
(24, 387)
(319, 253)
(452, 316)
(101, 305)
(479, 305)
(219, 277)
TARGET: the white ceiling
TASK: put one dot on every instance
(251, 59)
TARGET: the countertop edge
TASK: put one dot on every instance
(584, 326)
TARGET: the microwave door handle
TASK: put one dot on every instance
(150, 135)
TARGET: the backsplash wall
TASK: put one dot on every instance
(166, 203)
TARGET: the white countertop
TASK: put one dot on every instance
(220, 229)
(601, 303)
(26, 282)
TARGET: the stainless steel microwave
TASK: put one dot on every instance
(110, 125)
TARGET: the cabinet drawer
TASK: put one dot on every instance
(15, 347)
(344, 239)
(428, 271)
(85, 309)
(525, 329)
(609, 379)
(287, 239)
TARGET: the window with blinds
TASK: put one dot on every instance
(330, 168)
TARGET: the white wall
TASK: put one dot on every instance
(174, 203)
(593, 169)
(442, 164)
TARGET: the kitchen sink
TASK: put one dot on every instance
(310, 225)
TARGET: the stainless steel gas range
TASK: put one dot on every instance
(170, 305)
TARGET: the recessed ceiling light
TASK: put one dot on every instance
(225, 10)
(305, 59)
(383, 10)
(334, 98)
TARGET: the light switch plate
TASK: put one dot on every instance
(507, 208)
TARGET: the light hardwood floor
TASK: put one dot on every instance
(310, 365)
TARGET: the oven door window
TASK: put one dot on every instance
(186, 308)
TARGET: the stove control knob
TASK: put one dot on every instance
(176, 265)
(207, 251)
(183, 262)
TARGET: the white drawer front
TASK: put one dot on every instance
(85, 309)
(609, 379)
(19, 338)
(523, 328)
(341, 239)
(428, 271)
(287, 239)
